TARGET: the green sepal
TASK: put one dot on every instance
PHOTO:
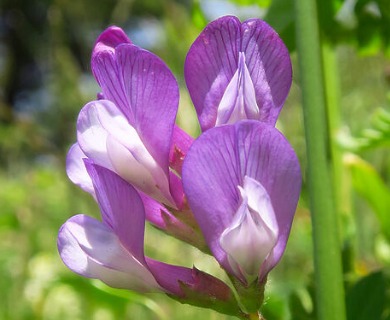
(251, 295)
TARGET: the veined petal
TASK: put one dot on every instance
(76, 170)
(210, 65)
(112, 251)
(258, 201)
(105, 136)
(215, 62)
(239, 100)
(155, 211)
(269, 65)
(121, 207)
(169, 276)
(109, 39)
(145, 91)
(138, 167)
(179, 227)
(91, 249)
(176, 188)
(253, 232)
(91, 135)
(211, 174)
(106, 45)
(266, 156)
(218, 162)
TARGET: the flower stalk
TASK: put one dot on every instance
(327, 257)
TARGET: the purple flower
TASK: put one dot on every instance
(112, 250)
(243, 182)
(233, 191)
(237, 71)
(130, 131)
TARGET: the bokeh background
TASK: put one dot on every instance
(45, 79)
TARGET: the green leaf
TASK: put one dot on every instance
(366, 299)
(377, 135)
(371, 187)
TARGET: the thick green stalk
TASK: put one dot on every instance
(327, 255)
(340, 176)
(331, 90)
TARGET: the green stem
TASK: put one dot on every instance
(331, 85)
(341, 180)
(327, 257)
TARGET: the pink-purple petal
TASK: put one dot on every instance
(76, 170)
(253, 232)
(154, 96)
(211, 174)
(143, 88)
(107, 73)
(217, 164)
(154, 211)
(91, 249)
(135, 164)
(213, 60)
(106, 137)
(193, 286)
(176, 189)
(269, 65)
(91, 133)
(122, 208)
(270, 159)
(109, 39)
(169, 276)
(210, 65)
(106, 43)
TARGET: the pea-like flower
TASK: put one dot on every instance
(242, 182)
(130, 130)
(238, 71)
(232, 192)
(112, 250)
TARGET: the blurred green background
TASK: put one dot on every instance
(45, 79)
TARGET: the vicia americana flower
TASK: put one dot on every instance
(238, 71)
(131, 129)
(232, 192)
(242, 182)
(112, 250)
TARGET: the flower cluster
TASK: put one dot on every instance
(231, 193)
